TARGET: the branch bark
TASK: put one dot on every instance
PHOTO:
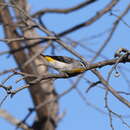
(40, 92)
(4, 114)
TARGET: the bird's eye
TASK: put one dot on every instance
(83, 64)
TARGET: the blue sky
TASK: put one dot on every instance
(78, 114)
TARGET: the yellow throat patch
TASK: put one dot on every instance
(76, 70)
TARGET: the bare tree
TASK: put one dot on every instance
(21, 30)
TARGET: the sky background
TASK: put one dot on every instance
(78, 114)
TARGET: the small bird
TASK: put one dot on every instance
(64, 64)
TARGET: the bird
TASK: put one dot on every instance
(64, 64)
